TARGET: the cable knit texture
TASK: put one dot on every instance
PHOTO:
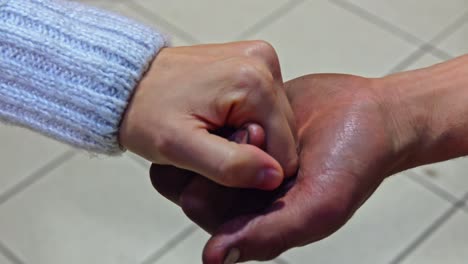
(68, 70)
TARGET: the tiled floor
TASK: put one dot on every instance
(61, 206)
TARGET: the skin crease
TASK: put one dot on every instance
(353, 133)
(189, 92)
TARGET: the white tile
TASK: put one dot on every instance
(23, 152)
(395, 215)
(212, 20)
(3, 260)
(456, 44)
(451, 175)
(446, 245)
(190, 251)
(320, 37)
(98, 210)
(424, 19)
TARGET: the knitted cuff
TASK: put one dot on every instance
(68, 70)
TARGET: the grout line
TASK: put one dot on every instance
(9, 254)
(412, 39)
(435, 189)
(457, 205)
(419, 53)
(402, 33)
(267, 20)
(436, 225)
(173, 242)
(378, 21)
(36, 176)
(408, 61)
(173, 29)
(451, 28)
(441, 54)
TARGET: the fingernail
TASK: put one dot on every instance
(233, 256)
(240, 137)
(266, 177)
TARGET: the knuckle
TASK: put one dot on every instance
(265, 46)
(261, 48)
(254, 79)
(227, 169)
(246, 73)
(264, 51)
(265, 94)
(267, 86)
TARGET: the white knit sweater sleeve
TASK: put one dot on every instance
(68, 70)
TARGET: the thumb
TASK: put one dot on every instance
(293, 220)
(225, 162)
(261, 236)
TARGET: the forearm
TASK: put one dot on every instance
(68, 70)
(431, 108)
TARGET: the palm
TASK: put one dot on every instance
(346, 150)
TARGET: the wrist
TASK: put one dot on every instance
(427, 109)
(133, 135)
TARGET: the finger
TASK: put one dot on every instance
(289, 164)
(262, 51)
(298, 218)
(199, 205)
(206, 203)
(280, 127)
(195, 193)
(265, 107)
(224, 162)
(197, 199)
(170, 181)
(251, 134)
(281, 142)
(289, 114)
(265, 54)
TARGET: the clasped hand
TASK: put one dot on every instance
(307, 154)
(191, 92)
